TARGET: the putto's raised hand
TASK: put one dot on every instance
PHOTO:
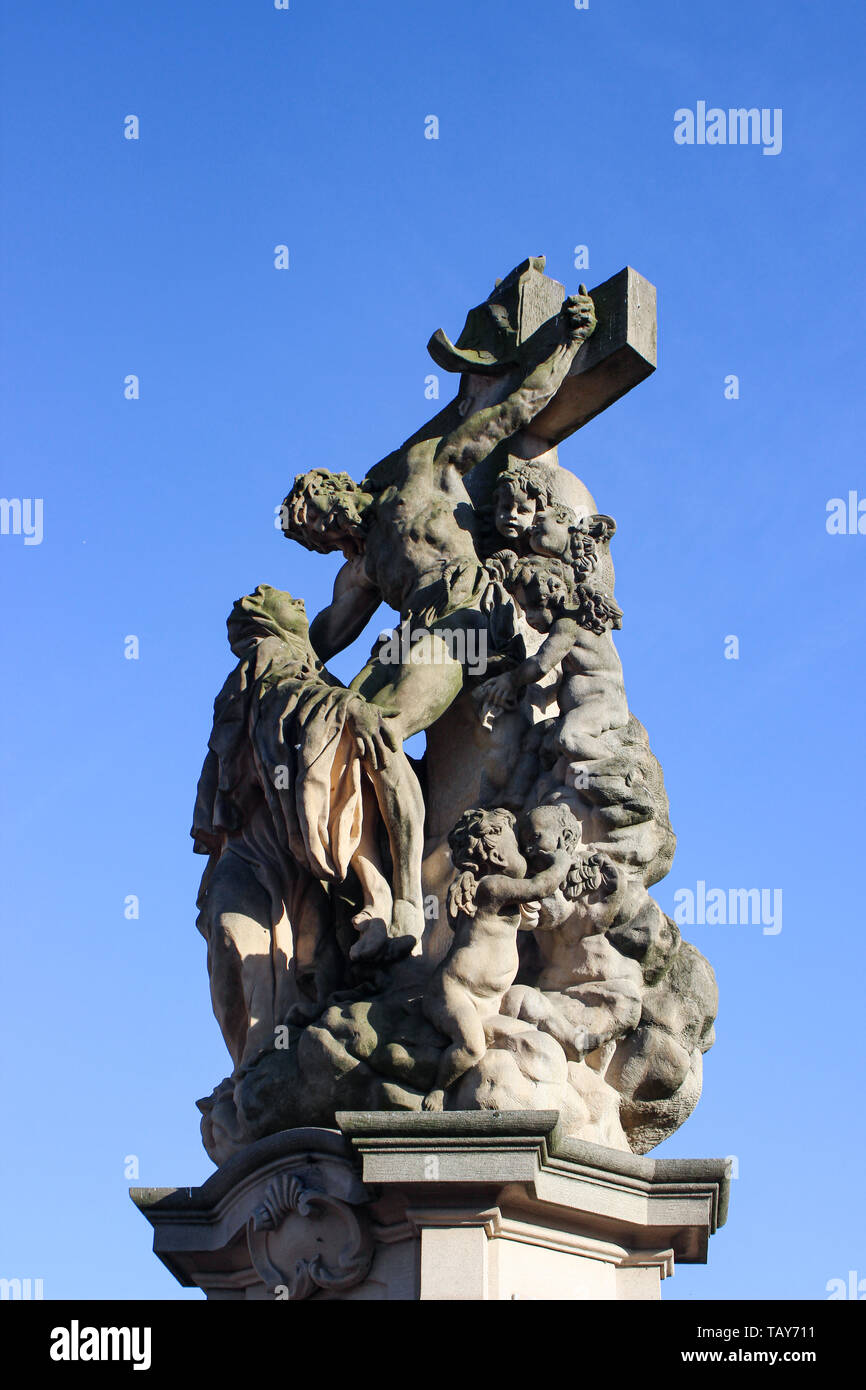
(499, 692)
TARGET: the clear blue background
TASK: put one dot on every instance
(155, 257)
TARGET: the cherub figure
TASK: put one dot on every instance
(588, 992)
(488, 905)
(591, 695)
(577, 621)
(556, 532)
(522, 488)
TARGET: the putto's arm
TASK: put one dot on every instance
(502, 692)
(478, 436)
(494, 890)
(353, 605)
(556, 645)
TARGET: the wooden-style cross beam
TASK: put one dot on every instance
(620, 354)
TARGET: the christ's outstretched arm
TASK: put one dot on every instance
(478, 435)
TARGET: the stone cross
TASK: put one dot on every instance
(620, 353)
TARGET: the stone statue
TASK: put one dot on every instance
(287, 804)
(469, 986)
(471, 930)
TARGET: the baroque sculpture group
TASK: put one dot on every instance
(471, 929)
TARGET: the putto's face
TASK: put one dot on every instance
(549, 533)
(503, 851)
(545, 595)
(514, 511)
(542, 832)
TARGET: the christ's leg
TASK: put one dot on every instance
(411, 696)
(414, 693)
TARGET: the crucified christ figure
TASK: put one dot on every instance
(408, 536)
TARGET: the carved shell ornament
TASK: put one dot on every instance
(302, 1240)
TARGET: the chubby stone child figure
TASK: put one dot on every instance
(555, 531)
(521, 489)
(592, 694)
(488, 905)
(587, 993)
(577, 621)
(549, 586)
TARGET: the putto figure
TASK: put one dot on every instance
(475, 976)
(537, 813)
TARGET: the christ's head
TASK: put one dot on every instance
(325, 511)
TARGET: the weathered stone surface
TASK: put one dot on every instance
(471, 931)
(619, 357)
(468, 1206)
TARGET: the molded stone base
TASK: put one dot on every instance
(463, 1205)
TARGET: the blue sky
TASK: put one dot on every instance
(155, 257)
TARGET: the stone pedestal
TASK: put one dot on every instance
(469, 1205)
